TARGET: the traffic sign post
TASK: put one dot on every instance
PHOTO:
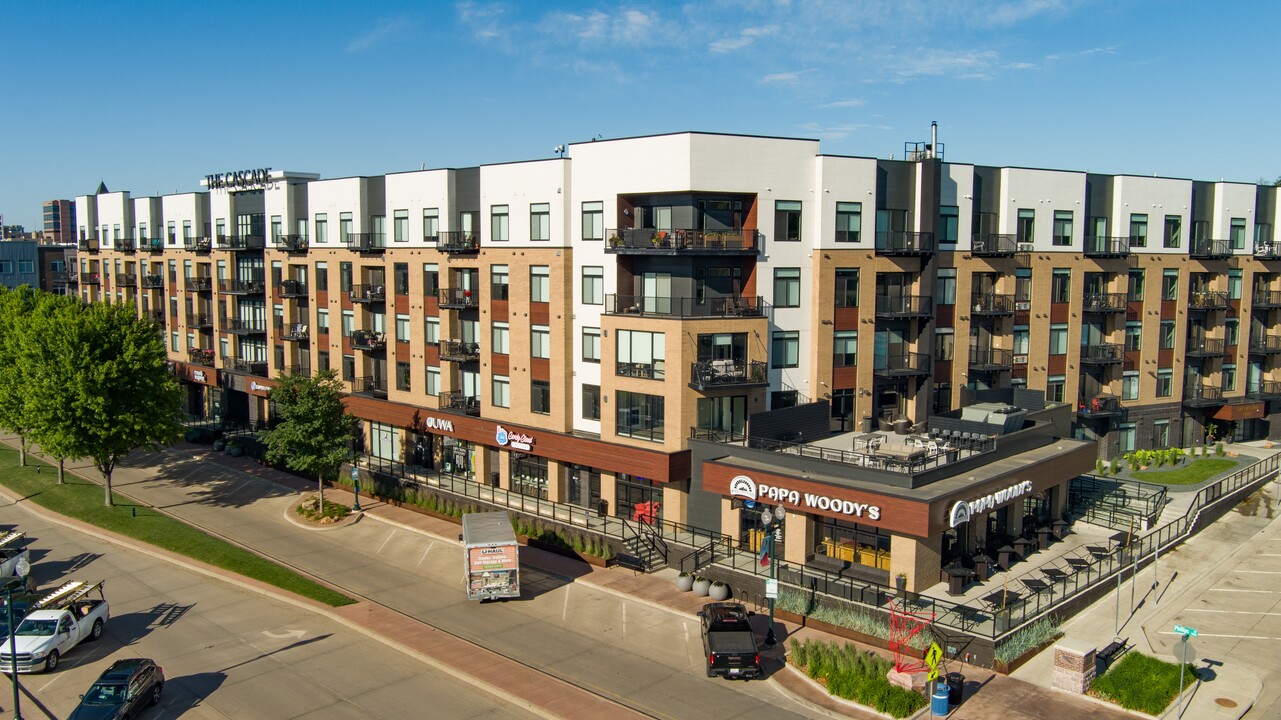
(932, 657)
(1181, 654)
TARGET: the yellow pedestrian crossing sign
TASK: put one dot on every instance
(934, 675)
(932, 657)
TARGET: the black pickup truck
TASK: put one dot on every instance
(728, 641)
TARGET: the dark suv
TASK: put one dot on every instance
(122, 691)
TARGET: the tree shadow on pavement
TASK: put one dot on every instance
(206, 479)
(186, 692)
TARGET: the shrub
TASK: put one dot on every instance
(310, 509)
(1218, 450)
(1032, 636)
(1116, 466)
(1142, 682)
(1099, 467)
(855, 675)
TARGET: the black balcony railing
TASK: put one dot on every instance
(1202, 394)
(994, 244)
(685, 307)
(726, 373)
(303, 370)
(88, 244)
(1264, 390)
(293, 289)
(458, 242)
(89, 278)
(1206, 300)
(199, 283)
(459, 351)
(1267, 250)
(460, 402)
(240, 365)
(1210, 248)
(201, 357)
(371, 385)
(458, 298)
(64, 278)
(1103, 246)
(904, 242)
(650, 240)
(1102, 354)
(152, 245)
(368, 340)
(991, 359)
(652, 370)
(367, 242)
(256, 286)
(241, 243)
(986, 304)
(901, 364)
(126, 245)
(292, 244)
(1265, 344)
(127, 280)
(293, 332)
(153, 282)
(197, 244)
(1103, 302)
(1266, 299)
(368, 293)
(1099, 406)
(904, 306)
(1204, 347)
(241, 326)
(199, 322)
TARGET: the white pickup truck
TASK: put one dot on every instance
(67, 616)
(13, 547)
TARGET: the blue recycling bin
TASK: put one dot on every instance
(938, 704)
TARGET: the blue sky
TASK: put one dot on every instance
(150, 97)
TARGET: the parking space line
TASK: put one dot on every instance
(1260, 572)
(1230, 637)
(380, 547)
(1231, 612)
(425, 551)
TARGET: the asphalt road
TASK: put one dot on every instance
(226, 652)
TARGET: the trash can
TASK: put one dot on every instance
(955, 687)
(938, 702)
(866, 425)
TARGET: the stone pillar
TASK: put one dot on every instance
(798, 538)
(482, 466)
(674, 502)
(504, 469)
(1058, 502)
(609, 492)
(920, 560)
(555, 481)
(1073, 666)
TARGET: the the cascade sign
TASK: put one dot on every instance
(239, 179)
(963, 511)
(745, 487)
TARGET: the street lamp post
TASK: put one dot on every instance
(355, 483)
(20, 569)
(772, 520)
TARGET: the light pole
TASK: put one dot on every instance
(355, 483)
(771, 520)
(21, 568)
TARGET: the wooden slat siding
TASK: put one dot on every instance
(1057, 365)
(499, 310)
(431, 354)
(845, 318)
(540, 369)
(431, 306)
(402, 351)
(402, 304)
(610, 457)
(1165, 358)
(845, 377)
(944, 315)
(1060, 312)
(501, 363)
(1170, 308)
(322, 299)
(540, 313)
(1134, 311)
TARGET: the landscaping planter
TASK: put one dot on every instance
(857, 636)
(566, 552)
(702, 586)
(718, 592)
(685, 583)
(1016, 663)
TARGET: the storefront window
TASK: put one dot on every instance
(384, 442)
(458, 459)
(639, 499)
(584, 486)
(853, 544)
(529, 475)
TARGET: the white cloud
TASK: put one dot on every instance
(746, 37)
(1109, 50)
(852, 102)
(483, 20)
(384, 30)
(932, 62)
(781, 77)
(832, 132)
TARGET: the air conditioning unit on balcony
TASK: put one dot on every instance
(1020, 359)
(1025, 247)
(1023, 305)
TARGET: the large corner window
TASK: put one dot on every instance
(639, 416)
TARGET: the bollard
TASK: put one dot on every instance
(134, 511)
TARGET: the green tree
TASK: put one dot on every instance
(50, 402)
(15, 310)
(312, 427)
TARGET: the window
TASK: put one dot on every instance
(1164, 382)
(142, 231)
(170, 230)
(348, 367)
(591, 344)
(785, 349)
(322, 321)
(1173, 231)
(1130, 385)
(1022, 340)
(322, 277)
(849, 221)
(322, 227)
(846, 287)
(344, 227)
(1229, 378)
(1236, 233)
(1167, 334)
(1170, 284)
(949, 224)
(432, 386)
(1134, 292)
(787, 220)
(1062, 228)
(1231, 331)
(591, 402)
(1138, 230)
(1234, 284)
(639, 415)
(1161, 433)
(277, 228)
(400, 274)
(431, 224)
(1061, 285)
(944, 343)
(29, 266)
(593, 285)
(641, 354)
(1133, 336)
(1125, 433)
(400, 226)
(1026, 226)
(845, 348)
(348, 322)
(221, 226)
(498, 282)
(1058, 339)
(403, 373)
(787, 287)
(431, 279)
(344, 277)
(540, 342)
(502, 391)
(1023, 286)
(1054, 385)
(498, 223)
(402, 328)
(945, 287)
(540, 221)
(500, 339)
(594, 226)
(540, 283)
(173, 341)
(540, 397)
(431, 331)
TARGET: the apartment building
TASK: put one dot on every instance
(59, 221)
(562, 328)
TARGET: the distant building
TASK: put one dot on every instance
(12, 232)
(59, 221)
(57, 264)
(18, 263)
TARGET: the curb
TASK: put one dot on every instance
(291, 514)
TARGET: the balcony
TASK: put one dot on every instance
(904, 242)
(988, 305)
(196, 356)
(458, 242)
(460, 402)
(1265, 344)
(369, 386)
(648, 241)
(368, 340)
(1102, 354)
(1107, 247)
(157, 316)
(458, 298)
(293, 244)
(713, 374)
(1202, 395)
(1099, 406)
(1204, 348)
(991, 360)
(88, 245)
(197, 244)
(64, 278)
(904, 306)
(240, 365)
(994, 245)
(292, 289)
(303, 370)
(199, 283)
(152, 245)
(199, 322)
(1264, 390)
(901, 364)
(241, 243)
(1210, 249)
(1103, 303)
(241, 326)
(1207, 300)
(1266, 299)
(652, 370)
(89, 278)
(127, 280)
(124, 245)
(368, 294)
(368, 243)
(242, 287)
(292, 332)
(685, 307)
(153, 282)
(459, 351)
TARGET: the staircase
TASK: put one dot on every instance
(1115, 504)
(646, 549)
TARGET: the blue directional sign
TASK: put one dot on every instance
(1186, 632)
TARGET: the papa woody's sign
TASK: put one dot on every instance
(742, 486)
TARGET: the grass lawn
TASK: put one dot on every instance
(1142, 682)
(82, 500)
(1189, 474)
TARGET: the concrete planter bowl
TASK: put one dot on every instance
(702, 586)
(718, 591)
(684, 582)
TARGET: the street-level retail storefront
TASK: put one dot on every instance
(203, 399)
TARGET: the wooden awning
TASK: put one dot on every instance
(1240, 411)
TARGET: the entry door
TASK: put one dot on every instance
(1254, 377)
(656, 292)
(471, 383)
